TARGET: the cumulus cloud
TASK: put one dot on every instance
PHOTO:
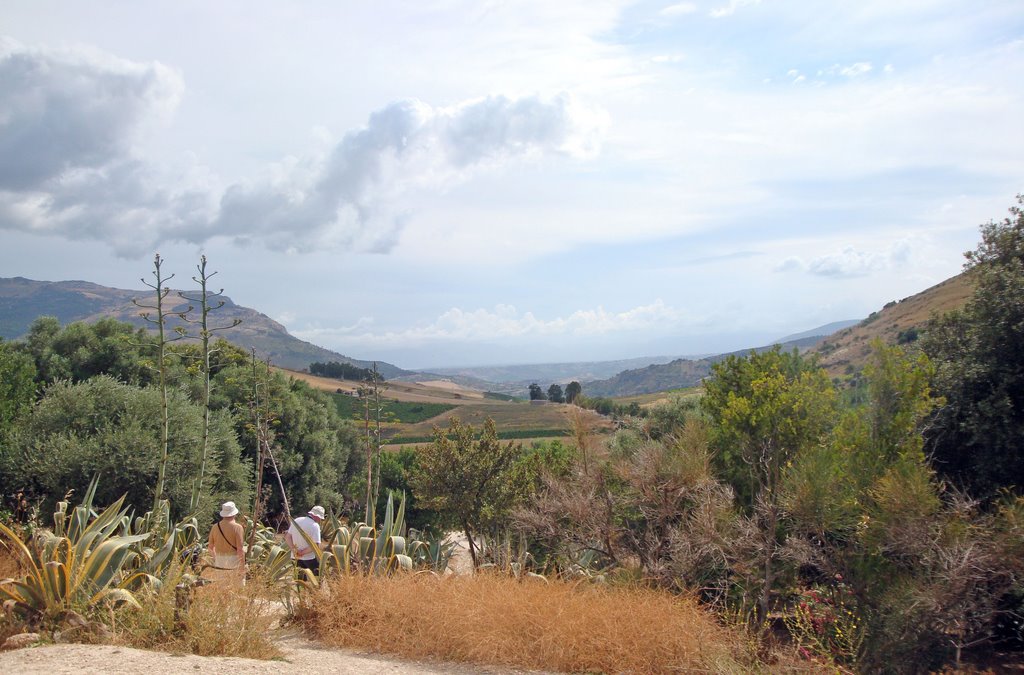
(69, 164)
(68, 126)
(851, 262)
(503, 321)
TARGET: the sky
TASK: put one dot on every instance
(466, 183)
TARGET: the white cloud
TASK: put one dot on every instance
(679, 9)
(851, 262)
(68, 165)
(732, 7)
(501, 322)
(856, 69)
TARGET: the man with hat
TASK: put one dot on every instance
(303, 554)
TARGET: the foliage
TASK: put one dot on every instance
(572, 390)
(555, 394)
(17, 385)
(976, 439)
(767, 410)
(79, 351)
(313, 446)
(102, 427)
(83, 564)
(472, 483)
(397, 469)
(342, 371)
(536, 393)
(826, 623)
(668, 419)
(658, 504)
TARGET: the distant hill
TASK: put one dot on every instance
(23, 300)
(846, 351)
(820, 331)
(675, 375)
(550, 372)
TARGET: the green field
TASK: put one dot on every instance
(514, 435)
(403, 412)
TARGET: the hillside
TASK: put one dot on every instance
(678, 374)
(846, 352)
(23, 300)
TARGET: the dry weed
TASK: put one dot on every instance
(222, 620)
(492, 619)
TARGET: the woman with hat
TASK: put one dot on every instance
(227, 539)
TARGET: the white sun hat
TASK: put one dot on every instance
(317, 512)
(228, 509)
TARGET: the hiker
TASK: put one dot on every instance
(303, 554)
(226, 543)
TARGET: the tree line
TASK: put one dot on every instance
(343, 371)
(555, 394)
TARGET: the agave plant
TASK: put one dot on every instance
(83, 563)
(503, 553)
(363, 547)
(430, 554)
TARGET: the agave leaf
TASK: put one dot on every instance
(394, 546)
(106, 561)
(115, 595)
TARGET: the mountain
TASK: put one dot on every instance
(820, 331)
(901, 321)
(23, 300)
(677, 374)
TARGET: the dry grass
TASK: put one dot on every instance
(222, 621)
(496, 620)
(849, 349)
(10, 566)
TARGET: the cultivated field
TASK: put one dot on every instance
(471, 407)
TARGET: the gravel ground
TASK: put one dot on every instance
(300, 656)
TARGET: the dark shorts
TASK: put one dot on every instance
(311, 565)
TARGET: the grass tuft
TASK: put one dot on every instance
(497, 620)
(223, 620)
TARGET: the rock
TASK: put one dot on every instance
(21, 640)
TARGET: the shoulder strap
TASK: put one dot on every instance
(225, 536)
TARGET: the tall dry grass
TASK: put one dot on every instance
(223, 620)
(10, 566)
(497, 620)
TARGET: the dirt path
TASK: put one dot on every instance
(300, 656)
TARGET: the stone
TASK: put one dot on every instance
(21, 640)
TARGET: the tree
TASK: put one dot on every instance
(767, 409)
(471, 482)
(572, 390)
(977, 439)
(555, 394)
(17, 383)
(105, 427)
(536, 393)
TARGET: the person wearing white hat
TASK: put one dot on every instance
(227, 540)
(303, 554)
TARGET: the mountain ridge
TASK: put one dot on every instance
(23, 300)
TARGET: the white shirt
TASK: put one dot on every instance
(311, 528)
